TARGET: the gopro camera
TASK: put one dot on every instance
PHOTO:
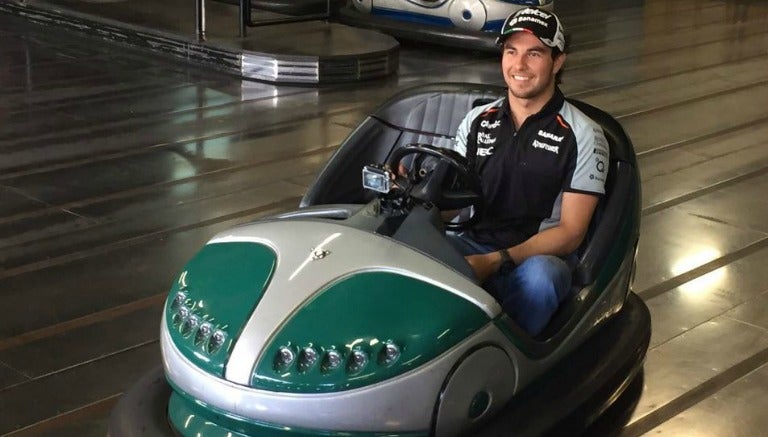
(377, 178)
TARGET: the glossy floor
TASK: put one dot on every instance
(116, 167)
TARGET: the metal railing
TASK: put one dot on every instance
(200, 20)
(245, 19)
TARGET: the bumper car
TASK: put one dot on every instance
(354, 315)
(467, 24)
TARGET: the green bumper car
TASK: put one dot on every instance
(354, 316)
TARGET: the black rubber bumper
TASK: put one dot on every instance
(143, 410)
(579, 389)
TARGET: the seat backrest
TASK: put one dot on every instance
(425, 114)
(621, 200)
(620, 207)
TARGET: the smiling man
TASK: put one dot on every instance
(542, 164)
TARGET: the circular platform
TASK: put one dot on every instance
(317, 52)
(287, 7)
(300, 52)
(296, 7)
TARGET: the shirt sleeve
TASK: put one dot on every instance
(592, 159)
(462, 134)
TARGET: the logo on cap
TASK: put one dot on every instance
(544, 25)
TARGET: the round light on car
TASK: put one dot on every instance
(389, 354)
(203, 333)
(216, 341)
(331, 361)
(181, 315)
(285, 357)
(189, 325)
(357, 361)
(178, 300)
(307, 358)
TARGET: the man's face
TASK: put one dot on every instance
(528, 67)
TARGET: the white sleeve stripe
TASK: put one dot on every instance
(592, 151)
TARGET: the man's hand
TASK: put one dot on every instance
(484, 265)
(402, 170)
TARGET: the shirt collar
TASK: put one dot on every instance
(552, 107)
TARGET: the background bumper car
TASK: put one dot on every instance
(467, 24)
(354, 315)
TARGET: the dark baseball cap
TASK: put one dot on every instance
(543, 24)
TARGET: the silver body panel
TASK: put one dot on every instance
(297, 277)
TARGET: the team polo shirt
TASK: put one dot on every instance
(524, 173)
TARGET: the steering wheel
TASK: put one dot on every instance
(427, 185)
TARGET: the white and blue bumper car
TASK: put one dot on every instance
(467, 24)
(354, 316)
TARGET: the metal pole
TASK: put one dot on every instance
(200, 19)
(245, 16)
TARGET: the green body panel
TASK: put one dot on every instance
(223, 283)
(365, 312)
(192, 418)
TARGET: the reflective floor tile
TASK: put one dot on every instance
(673, 242)
(681, 364)
(744, 204)
(738, 410)
(754, 311)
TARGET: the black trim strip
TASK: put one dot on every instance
(615, 15)
(80, 322)
(695, 395)
(53, 425)
(133, 241)
(692, 140)
(663, 287)
(756, 33)
(579, 94)
(652, 209)
(693, 100)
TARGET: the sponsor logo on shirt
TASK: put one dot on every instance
(600, 178)
(485, 151)
(490, 125)
(548, 147)
(551, 136)
(485, 138)
(599, 173)
(600, 152)
(599, 165)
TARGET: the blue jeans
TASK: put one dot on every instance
(529, 293)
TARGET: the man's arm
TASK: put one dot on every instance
(560, 240)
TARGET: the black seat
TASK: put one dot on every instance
(616, 213)
(431, 114)
(621, 200)
(426, 114)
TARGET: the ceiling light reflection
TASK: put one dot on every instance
(703, 285)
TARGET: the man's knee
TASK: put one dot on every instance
(538, 286)
(546, 273)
